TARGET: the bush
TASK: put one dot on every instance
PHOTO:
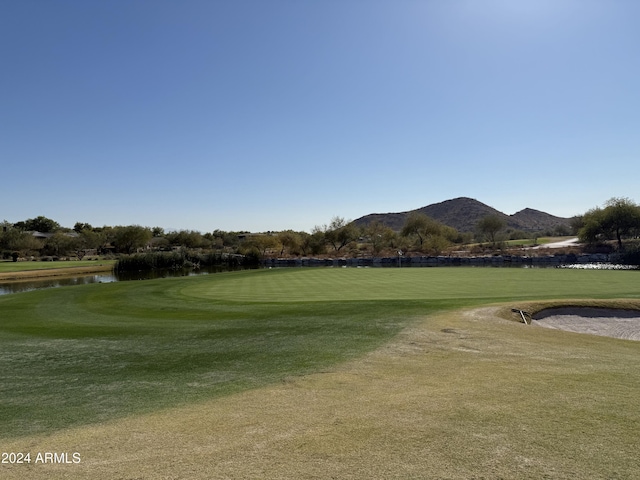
(174, 260)
(598, 248)
(252, 256)
(631, 255)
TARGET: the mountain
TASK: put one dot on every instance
(535, 220)
(464, 213)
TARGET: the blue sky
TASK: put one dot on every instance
(269, 115)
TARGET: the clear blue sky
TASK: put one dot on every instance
(269, 115)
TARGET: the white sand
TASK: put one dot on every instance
(595, 321)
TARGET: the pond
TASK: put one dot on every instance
(18, 286)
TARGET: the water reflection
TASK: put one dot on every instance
(171, 272)
(54, 282)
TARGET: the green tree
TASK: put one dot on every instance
(15, 240)
(490, 226)
(340, 233)
(38, 224)
(80, 226)
(187, 239)
(589, 225)
(314, 243)
(91, 239)
(380, 236)
(291, 241)
(61, 244)
(87, 240)
(229, 240)
(129, 239)
(261, 243)
(432, 235)
(435, 244)
(619, 219)
(416, 224)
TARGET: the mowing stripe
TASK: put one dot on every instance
(346, 284)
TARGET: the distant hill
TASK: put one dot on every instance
(464, 213)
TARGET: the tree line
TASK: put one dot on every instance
(617, 224)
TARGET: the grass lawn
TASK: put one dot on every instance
(8, 266)
(313, 369)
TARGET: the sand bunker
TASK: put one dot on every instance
(595, 321)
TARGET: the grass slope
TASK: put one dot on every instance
(452, 395)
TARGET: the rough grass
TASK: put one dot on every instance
(265, 375)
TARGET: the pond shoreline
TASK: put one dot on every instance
(443, 260)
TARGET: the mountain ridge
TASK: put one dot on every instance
(463, 214)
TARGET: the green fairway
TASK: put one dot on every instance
(91, 353)
(458, 285)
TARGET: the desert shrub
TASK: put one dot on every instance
(252, 256)
(599, 248)
(148, 261)
(630, 255)
(174, 260)
(517, 235)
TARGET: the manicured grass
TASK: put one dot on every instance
(8, 266)
(459, 286)
(91, 353)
